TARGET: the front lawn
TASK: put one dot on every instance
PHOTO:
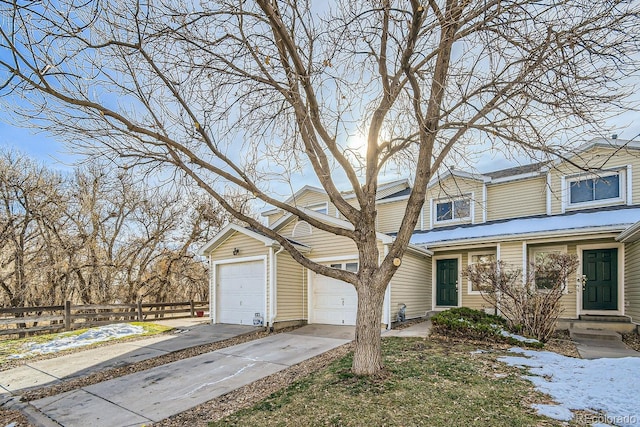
(426, 382)
(9, 347)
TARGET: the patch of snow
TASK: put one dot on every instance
(91, 336)
(517, 337)
(478, 351)
(556, 412)
(619, 218)
(607, 385)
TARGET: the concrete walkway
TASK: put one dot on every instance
(421, 329)
(597, 344)
(152, 395)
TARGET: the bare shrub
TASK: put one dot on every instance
(532, 306)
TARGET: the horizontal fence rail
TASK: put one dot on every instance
(24, 321)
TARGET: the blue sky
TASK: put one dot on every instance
(48, 150)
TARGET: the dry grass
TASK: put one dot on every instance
(427, 382)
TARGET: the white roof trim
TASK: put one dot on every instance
(385, 238)
(631, 234)
(598, 142)
(230, 229)
(515, 177)
(227, 231)
(293, 197)
(459, 174)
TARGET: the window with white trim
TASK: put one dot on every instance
(486, 259)
(452, 210)
(322, 208)
(593, 190)
(541, 255)
(349, 266)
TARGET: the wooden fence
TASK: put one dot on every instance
(54, 318)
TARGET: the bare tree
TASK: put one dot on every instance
(234, 94)
(30, 202)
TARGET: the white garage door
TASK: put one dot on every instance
(240, 293)
(334, 302)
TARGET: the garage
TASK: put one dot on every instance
(334, 302)
(240, 292)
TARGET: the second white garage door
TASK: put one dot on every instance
(334, 302)
(240, 292)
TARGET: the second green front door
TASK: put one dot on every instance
(447, 282)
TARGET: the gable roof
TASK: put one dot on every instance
(386, 239)
(614, 220)
(230, 229)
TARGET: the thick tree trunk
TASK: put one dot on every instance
(367, 357)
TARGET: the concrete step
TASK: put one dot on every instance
(621, 327)
(594, 318)
(603, 335)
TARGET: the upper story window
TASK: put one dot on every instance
(322, 208)
(452, 210)
(592, 190)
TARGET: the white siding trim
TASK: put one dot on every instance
(484, 202)
(629, 178)
(548, 193)
(524, 263)
(563, 194)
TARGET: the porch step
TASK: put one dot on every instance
(573, 324)
(580, 334)
(597, 318)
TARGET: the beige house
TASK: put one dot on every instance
(583, 205)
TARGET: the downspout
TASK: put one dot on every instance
(272, 292)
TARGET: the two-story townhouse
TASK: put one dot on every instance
(583, 205)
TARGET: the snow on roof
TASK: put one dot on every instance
(615, 219)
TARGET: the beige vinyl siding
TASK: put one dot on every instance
(311, 198)
(291, 293)
(324, 245)
(598, 157)
(411, 285)
(632, 281)
(390, 216)
(453, 187)
(515, 199)
(248, 247)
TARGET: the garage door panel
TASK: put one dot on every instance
(240, 292)
(334, 302)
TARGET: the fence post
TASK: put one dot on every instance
(140, 319)
(67, 315)
(193, 313)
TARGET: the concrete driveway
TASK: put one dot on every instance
(157, 393)
(47, 372)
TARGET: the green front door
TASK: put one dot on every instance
(600, 291)
(447, 282)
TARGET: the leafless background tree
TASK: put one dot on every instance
(244, 94)
(97, 236)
